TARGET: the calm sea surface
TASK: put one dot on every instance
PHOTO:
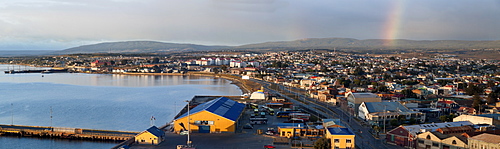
(95, 101)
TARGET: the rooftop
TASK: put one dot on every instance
(486, 137)
(340, 131)
(387, 106)
(432, 127)
(365, 95)
(221, 106)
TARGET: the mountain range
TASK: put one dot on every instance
(309, 43)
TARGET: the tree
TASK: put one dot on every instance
(447, 118)
(382, 88)
(473, 90)
(322, 143)
(476, 102)
(444, 82)
(394, 122)
(413, 121)
(357, 82)
(155, 60)
(408, 93)
(443, 118)
(492, 98)
(376, 129)
(358, 71)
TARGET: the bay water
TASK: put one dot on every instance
(95, 101)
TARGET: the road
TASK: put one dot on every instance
(364, 139)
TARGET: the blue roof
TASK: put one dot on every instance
(340, 131)
(155, 131)
(221, 106)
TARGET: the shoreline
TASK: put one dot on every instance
(243, 85)
(240, 83)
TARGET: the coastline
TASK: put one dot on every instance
(246, 86)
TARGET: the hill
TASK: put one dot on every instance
(137, 47)
(310, 43)
(370, 44)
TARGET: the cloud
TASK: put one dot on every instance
(236, 22)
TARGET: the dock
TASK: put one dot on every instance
(66, 133)
(36, 71)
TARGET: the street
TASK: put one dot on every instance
(364, 139)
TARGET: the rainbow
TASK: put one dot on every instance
(392, 24)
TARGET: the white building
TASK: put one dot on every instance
(376, 112)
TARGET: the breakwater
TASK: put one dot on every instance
(66, 133)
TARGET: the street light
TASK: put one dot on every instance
(189, 125)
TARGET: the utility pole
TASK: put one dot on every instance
(50, 117)
(385, 111)
(11, 114)
(189, 125)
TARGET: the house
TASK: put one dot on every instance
(98, 63)
(215, 116)
(490, 119)
(376, 112)
(406, 135)
(484, 141)
(400, 136)
(438, 140)
(466, 111)
(151, 136)
(341, 137)
(355, 99)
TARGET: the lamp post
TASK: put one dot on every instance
(50, 117)
(188, 143)
(11, 114)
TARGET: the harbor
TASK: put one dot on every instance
(96, 101)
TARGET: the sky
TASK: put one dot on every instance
(62, 24)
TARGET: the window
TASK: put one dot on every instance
(454, 142)
(336, 141)
(435, 144)
(204, 122)
(348, 141)
(420, 141)
(428, 137)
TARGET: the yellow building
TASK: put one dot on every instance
(290, 130)
(152, 136)
(341, 138)
(438, 140)
(215, 116)
(484, 141)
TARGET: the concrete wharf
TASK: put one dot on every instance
(66, 133)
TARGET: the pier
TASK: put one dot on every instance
(36, 71)
(66, 133)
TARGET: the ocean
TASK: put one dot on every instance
(95, 101)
